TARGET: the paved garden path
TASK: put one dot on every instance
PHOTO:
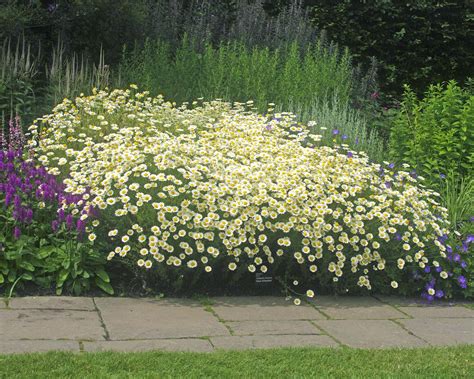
(33, 324)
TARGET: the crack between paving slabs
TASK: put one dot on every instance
(208, 308)
(313, 322)
(102, 322)
(395, 321)
(317, 309)
(325, 333)
(393, 306)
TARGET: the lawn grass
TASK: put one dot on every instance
(448, 362)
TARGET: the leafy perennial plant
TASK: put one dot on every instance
(40, 226)
(194, 187)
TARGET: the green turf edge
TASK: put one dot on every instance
(433, 362)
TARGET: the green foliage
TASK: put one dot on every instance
(235, 72)
(417, 42)
(69, 76)
(315, 84)
(18, 76)
(49, 261)
(457, 196)
(40, 237)
(435, 135)
(354, 130)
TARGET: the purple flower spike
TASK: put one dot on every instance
(439, 294)
(391, 165)
(442, 176)
(335, 132)
(349, 155)
(17, 232)
(344, 136)
(69, 221)
(469, 239)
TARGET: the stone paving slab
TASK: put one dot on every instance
(127, 319)
(183, 344)
(438, 311)
(125, 324)
(267, 342)
(13, 347)
(52, 302)
(355, 308)
(49, 324)
(258, 308)
(445, 331)
(272, 327)
(399, 301)
(369, 333)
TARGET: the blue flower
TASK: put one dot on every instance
(462, 281)
(439, 294)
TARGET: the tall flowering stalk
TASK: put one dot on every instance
(40, 219)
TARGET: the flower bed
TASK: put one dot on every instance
(197, 187)
(40, 227)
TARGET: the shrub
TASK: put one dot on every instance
(417, 42)
(40, 226)
(435, 134)
(197, 188)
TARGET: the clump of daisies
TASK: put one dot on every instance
(210, 182)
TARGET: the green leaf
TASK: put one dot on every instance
(27, 266)
(63, 275)
(2, 279)
(12, 276)
(45, 251)
(103, 276)
(106, 287)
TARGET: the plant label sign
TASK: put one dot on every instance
(260, 278)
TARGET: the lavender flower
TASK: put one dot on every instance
(16, 232)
